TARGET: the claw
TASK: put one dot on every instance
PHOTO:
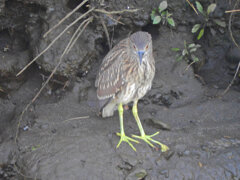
(126, 139)
(148, 138)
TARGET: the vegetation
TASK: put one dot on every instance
(208, 22)
(162, 15)
(187, 53)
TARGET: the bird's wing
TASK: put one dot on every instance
(110, 77)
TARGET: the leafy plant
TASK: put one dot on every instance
(162, 15)
(187, 53)
(34, 148)
(200, 28)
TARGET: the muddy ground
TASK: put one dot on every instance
(200, 128)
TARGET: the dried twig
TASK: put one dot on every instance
(192, 6)
(53, 80)
(231, 11)
(20, 173)
(106, 32)
(234, 77)
(70, 25)
(20, 120)
(59, 62)
(1, 89)
(76, 118)
(117, 21)
(200, 78)
(230, 26)
(46, 82)
(63, 19)
(189, 66)
(112, 37)
(116, 12)
(76, 34)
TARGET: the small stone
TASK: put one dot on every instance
(168, 154)
(158, 124)
(180, 147)
(129, 159)
(43, 126)
(165, 173)
(25, 128)
(233, 55)
(166, 99)
(54, 131)
(138, 173)
(186, 153)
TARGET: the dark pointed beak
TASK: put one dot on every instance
(140, 54)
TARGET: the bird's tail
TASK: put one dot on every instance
(109, 108)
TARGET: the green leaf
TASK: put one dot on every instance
(184, 52)
(179, 58)
(34, 148)
(195, 59)
(193, 50)
(196, 28)
(153, 14)
(211, 8)
(162, 6)
(175, 49)
(171, 21)
(185, 44)
(168, 15)
(199, 7)
(157, 20)
(163, 13)
(191, 45)
(197, 45)
(141, 175)
(220, 22)
(200, 34)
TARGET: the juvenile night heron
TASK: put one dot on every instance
(126, 75)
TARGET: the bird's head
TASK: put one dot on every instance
(141, 43)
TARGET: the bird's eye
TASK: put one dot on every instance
(147, 47)
(134, 47)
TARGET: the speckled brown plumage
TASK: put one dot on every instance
(121, 76)
(126, 75)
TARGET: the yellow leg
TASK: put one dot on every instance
(122, 135)
(146, 138)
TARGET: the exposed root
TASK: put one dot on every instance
(231, 83)
(70, 25)
(63, 19)
(86, 22)
(53, 80)
(234, 41)
(20, 173)
(189, 65)
(106, 32)
(230, 26)
(200, 79)
(78, 32)
(20, 120)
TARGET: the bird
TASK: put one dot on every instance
(125, 75)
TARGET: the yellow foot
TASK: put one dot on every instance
(126, 139)
(148, 138)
